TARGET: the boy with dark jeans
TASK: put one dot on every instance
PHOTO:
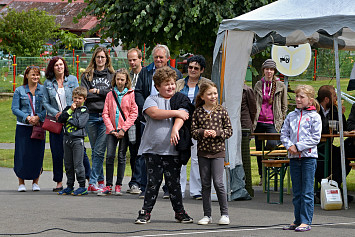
(158, 146)
(74, 118)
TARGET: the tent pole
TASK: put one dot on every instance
(340, 116)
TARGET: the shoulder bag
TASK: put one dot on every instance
(51, 123)
(37, 131)
(132, 130)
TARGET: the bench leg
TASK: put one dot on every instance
(267, 184)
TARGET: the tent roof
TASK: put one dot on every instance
(303, 18)
(286, 16)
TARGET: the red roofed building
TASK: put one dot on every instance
(63, 11)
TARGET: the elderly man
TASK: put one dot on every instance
(144, 88)
(134, 57)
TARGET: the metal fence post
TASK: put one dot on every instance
(77, 67)
(14, 73)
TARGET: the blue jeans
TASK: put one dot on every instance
(96, 130)
(86, 163)
(302, 176)
(139, 176)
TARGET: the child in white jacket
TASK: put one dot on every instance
(300, 134)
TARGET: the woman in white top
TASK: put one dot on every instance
(57, 95)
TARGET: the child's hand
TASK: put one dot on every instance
(174, 138)
(210, 133)
(73, 106)
(120, 134)
(182, 114)
(293, 150)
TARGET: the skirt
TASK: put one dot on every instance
(29, 153)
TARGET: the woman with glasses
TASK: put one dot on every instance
(27, 105)
(189, 86)
(58, 91)
(97, 79)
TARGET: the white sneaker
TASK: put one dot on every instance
(21, 188)
(135, 190)
(35, 187)
(224, 220)
(205, 220)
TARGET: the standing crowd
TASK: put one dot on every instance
(164, 119)
(149, 110)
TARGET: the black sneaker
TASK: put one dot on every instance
(143, 217)
(166, 195)
(183, 217)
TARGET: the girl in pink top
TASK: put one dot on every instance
(117, 126)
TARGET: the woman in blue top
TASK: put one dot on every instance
(58, 91)
(28, 159)
(190, 86)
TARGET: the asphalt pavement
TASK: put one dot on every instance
(45, 213)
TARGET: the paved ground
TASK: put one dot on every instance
(46, 214)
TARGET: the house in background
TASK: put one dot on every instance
(63, 11)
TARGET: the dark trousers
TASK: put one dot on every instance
(133, 151)
(56, 144)
(121, 157)
(158, 165)
(212, 169)
(73, 160)
(266, 128)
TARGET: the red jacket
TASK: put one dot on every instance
(129, 108)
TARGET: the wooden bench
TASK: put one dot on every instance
(275, 169)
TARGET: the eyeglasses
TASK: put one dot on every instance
(196, 68)
(120, 70)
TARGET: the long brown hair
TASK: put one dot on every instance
(203, 88)
(89, 71)
(123, 71)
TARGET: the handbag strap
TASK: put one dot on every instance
(61, 106)
(118, 105)
(31, 103)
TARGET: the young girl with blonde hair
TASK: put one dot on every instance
(300, 134)
(211, 126)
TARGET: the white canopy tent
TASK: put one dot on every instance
(285, 22)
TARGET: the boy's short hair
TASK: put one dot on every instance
(163, 74)
(80, 91)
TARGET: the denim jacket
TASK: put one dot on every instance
(21, 106)
(50, 102)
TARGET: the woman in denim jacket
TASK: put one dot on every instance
(28, 159)
(58, 91)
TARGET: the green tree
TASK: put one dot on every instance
(184, 25)
(24, 33)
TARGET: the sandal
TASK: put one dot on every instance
(290, 227)
(303, 228)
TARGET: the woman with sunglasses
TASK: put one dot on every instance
(58, 92)
(97, 79)
(29, 152)
(190, 86)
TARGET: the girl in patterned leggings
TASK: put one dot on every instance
(211, 126)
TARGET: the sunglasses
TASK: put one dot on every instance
(196, 68)
(32, 67)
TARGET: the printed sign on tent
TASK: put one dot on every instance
(291, 60)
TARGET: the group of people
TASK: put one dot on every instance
(264, 109)
(170, 118)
